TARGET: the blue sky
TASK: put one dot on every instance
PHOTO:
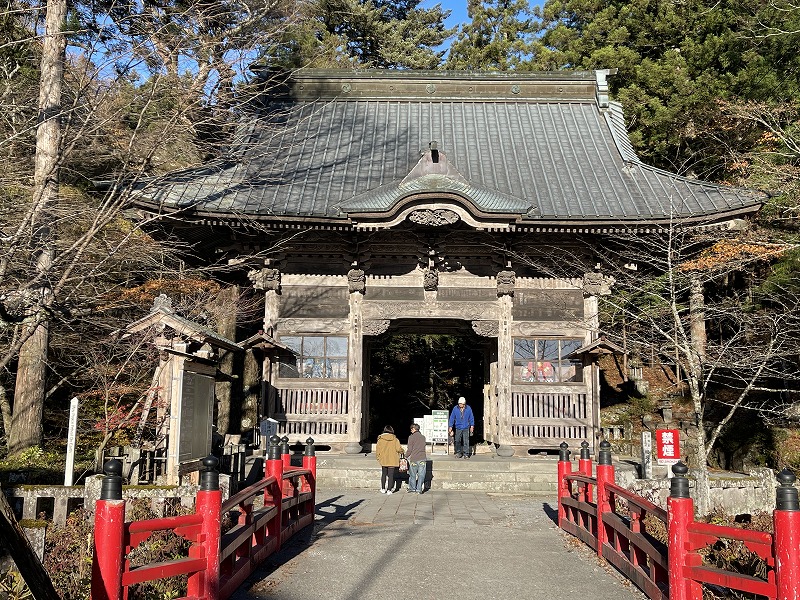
(458, 10)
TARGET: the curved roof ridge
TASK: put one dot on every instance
(615, 118)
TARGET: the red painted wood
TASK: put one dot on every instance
(564, 488)
(787, 556)
(108, 550)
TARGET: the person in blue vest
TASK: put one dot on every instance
(462, 425)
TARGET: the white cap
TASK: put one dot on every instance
(462, 400)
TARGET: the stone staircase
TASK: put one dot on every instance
(484, 472)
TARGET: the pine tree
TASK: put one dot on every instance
(499, 36)
(366, 33)
(675, 62)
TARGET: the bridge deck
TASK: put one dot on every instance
(442, 544)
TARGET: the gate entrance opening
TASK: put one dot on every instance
(422, 365)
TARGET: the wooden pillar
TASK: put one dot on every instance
(269, 280)
(174, 387)
(355, 373)
(592, 369)
(505, 372)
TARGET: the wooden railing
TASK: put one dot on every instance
(266, 514)
(549, 417)
(619, 526)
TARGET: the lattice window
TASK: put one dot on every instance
(315, 357)
(547, 360)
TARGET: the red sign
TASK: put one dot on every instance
(668, 446)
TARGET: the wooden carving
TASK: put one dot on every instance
(431, 281)
(433, 218)
(356, 281)
(486, 328)
(597, 284)
(265, 279)
(375, 326)
(505, 283)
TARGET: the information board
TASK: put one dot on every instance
(439, 432)
(647, 455)
(197, 404)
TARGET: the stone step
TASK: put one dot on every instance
(481, 472)
(444, 472)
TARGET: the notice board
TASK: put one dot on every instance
(197, 404)
(439, 432)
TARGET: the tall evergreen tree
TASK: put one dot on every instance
(367, 33)
(675, 62)
(499, 36)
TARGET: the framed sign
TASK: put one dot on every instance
(668, 446)
(439, 433)
(197, 405)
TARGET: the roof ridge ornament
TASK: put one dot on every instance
(434, 164)
(601, 75)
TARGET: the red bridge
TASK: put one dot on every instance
(269, 513)
(617, 524)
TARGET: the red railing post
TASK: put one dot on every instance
(564, 469)
(310, 463)
(109, 537)
(585, 468)
(786, 519)
(680, 513)
(605, 475)
(273, 495)
(208, 504)
(286, 453)
(310, 481)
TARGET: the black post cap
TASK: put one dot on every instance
(563, 452)
(111, 486)
(604, 456)
(285, 444)
(274, 441)
(584, 450)
(209, 474)
(679, 484)
(310, 451)
(786, 497)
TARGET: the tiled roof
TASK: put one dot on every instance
(330, 155)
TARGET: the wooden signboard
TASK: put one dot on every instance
(197, 405)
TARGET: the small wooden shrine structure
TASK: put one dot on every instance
(364, 202)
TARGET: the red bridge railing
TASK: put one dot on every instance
(267, 514)
(619, 526)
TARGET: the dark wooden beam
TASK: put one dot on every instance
(13, 539)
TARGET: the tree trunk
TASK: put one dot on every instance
(5, 408)
(227, 302)
(26, 430)
(697, 317)
(697, 320)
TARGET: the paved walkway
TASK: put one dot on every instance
(440, 545)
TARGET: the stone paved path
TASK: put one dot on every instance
(443, 544)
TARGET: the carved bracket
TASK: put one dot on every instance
(505, 283)
(431, 280)
(356, 281)
(375, 326)
(265, 279)
(486, 328)
(597, 284)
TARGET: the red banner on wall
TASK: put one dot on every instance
(668, 446)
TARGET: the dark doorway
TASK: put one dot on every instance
(418, 366)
